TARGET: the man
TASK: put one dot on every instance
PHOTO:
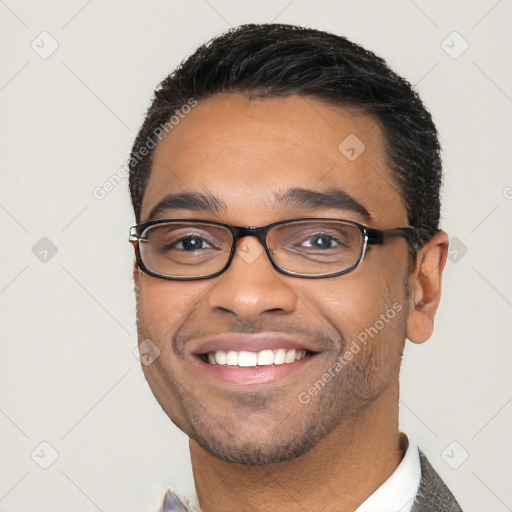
(285, 184)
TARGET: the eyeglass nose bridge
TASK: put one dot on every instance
(260, 233)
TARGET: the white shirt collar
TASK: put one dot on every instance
(396, 494)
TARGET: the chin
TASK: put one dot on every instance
(254, 453)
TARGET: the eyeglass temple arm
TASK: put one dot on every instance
(376, 237)
(134, 236)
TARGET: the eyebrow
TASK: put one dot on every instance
(197, 201)
(332, 198)
(296, 198)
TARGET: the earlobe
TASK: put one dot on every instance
(420, 326)
(425, 286)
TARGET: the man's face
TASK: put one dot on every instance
(248, 154)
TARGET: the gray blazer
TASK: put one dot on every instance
(433, 495)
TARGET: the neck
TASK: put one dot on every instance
(344, 469)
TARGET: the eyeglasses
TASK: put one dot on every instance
(190, 249)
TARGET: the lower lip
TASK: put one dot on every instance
(251, 375)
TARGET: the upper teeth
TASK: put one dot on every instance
(262, 358)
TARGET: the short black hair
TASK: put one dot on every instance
(272, 60)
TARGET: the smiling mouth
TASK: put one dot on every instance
(244, 360)
(249, 359)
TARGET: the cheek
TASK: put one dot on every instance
(163, 305)
(358, 305)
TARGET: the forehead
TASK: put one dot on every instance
(247, 152)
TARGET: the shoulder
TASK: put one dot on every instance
(433, 494)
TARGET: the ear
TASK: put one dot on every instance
(425, 287)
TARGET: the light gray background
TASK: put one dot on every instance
(67, 369)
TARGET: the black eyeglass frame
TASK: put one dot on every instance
(370, 236)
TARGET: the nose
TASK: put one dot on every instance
(251, 287)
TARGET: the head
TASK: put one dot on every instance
(268, 123)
